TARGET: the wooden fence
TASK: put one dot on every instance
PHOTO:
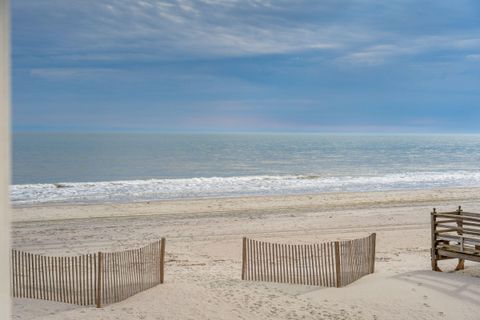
(92, 279)
(331, 264)
(455, 235)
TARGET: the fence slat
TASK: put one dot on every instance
(305, 264)
(277, 265)
(35, 276)
(41, 289)
(85, 273)
(26, 276)
(123, 275)
(149, 266)
(159, 262)
(316, 249)
(142, 268)
(252, 260)
(244, 257)
(50, 274)
(114, 277)
(312, 265)
(162, 260)
(130, 273)
(138, 271)
(248, 259)
(270, 263)
(77, 280)
(62, 279)
(91, 282)
(15, 274)
(265, 261)
(289, 264)
(299, 264)
(372, 258)
(254, 256)
(69, 279)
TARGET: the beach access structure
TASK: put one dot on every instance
(91, 279)
(455, 235)
(330, 264)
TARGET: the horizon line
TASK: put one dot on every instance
(243, 132)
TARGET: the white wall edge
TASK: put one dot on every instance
(5, 301)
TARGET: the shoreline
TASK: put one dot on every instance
(257, 203)
(153, 190)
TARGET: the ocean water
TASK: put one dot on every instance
(93, 168)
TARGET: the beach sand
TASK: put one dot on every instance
(204, 255)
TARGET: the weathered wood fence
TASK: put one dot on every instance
(330, 264)
(455, 235)
(91, 279)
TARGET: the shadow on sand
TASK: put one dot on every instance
(459, 285)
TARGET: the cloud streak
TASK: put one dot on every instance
(113, 30)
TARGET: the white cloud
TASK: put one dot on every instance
(185, 28)
(58, 73)
(473, 57)
(174, 29)
(373, 55)
(380, 53)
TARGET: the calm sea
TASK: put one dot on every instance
(86, 168)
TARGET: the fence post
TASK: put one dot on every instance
(461, 262)
(162, 259)
(433, 222)
(374, 243)
(337, 265)
(244, 257)
(98, 296)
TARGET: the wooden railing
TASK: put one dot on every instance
(455, 234)
(331, 264)
(91, 279)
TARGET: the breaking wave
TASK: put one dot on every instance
(169, 189)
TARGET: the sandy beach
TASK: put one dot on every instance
(204, 255)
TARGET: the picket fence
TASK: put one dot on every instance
(330, 264)
(92, 279)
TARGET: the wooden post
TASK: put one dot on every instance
(461, 262)
(433, 220)
(162, 260)
(373, 247)
(98, 297)
(244, 257)
(337, 265)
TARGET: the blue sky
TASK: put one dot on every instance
(251, 65)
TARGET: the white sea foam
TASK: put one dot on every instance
(161, 189)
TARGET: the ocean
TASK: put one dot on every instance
(123, 167)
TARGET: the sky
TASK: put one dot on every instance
(249, 65)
